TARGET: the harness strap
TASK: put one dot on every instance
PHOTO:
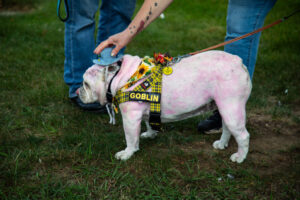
(154, 118)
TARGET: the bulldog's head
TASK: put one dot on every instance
(95, 81)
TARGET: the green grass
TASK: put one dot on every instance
(49, 149)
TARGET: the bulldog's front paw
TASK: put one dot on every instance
(236, 157)
(220, 145)
(124, 155)
(149, 134)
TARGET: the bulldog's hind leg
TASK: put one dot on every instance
(132, 127)
(150, 133)
(233, 113)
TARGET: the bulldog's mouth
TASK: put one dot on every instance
(82, 95)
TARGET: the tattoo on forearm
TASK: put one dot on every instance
(131, 29)
(142, 23)
(149, 13)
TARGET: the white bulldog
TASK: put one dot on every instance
(196, 81)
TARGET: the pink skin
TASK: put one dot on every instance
(195, 81)
(129, 66)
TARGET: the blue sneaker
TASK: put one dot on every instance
(212, 124)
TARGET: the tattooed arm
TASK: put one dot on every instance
(149, 11)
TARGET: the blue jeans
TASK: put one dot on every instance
(115, 16)
(244, 16)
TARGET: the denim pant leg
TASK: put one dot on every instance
(244, 16)
(79, 41)
(115, 16)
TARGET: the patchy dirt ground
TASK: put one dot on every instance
(276, 142)
(274, 145)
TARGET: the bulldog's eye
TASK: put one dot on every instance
(112, 68)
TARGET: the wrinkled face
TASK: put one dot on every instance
(93, 78)
(93, 87)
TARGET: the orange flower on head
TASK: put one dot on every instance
(168, 59)
(162, 58)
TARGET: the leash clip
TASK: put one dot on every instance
(178, 59)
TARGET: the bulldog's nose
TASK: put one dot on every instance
(77, 91)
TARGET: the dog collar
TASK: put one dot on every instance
(109, 96)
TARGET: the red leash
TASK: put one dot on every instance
(246, 35)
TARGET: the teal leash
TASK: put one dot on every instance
(66, 8)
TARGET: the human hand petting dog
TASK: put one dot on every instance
(118, 40)
(149, 11)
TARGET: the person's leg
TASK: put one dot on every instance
(212, 124)
(79, 41)
(115, 16)
(243, 16)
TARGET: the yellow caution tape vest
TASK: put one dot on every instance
(140, 93)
